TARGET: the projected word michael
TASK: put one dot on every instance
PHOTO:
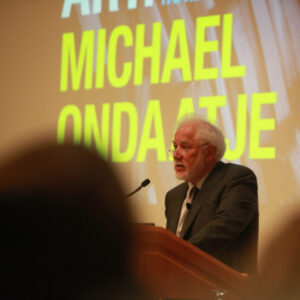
(79, 69)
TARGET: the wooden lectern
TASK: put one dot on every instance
(170, 267)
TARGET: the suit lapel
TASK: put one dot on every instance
(204, 195)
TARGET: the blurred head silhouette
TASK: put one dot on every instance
(64, 226)
(279, 274)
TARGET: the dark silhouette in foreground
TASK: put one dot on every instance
(64, 225)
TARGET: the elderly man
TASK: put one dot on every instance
(216, 208)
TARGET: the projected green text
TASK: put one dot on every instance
(96, 127)
(78, 68)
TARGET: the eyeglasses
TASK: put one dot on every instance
(184, 149)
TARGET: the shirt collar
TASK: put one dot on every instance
(199, 183)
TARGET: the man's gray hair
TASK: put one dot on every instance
(207, 131)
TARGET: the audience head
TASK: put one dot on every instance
(279, 274)
(64, 226)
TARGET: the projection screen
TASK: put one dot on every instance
(117, 75)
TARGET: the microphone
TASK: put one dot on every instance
(143, 184)
(188, 205)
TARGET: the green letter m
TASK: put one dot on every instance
(68, 57)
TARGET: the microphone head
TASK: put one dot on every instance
(145, 182)
(188, 205)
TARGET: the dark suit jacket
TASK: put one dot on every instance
(223, 219)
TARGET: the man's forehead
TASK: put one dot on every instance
(185, 134)
(186, 130)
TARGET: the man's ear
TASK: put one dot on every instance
(210, 153)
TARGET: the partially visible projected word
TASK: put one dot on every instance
(96, 6)
(167, 2)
